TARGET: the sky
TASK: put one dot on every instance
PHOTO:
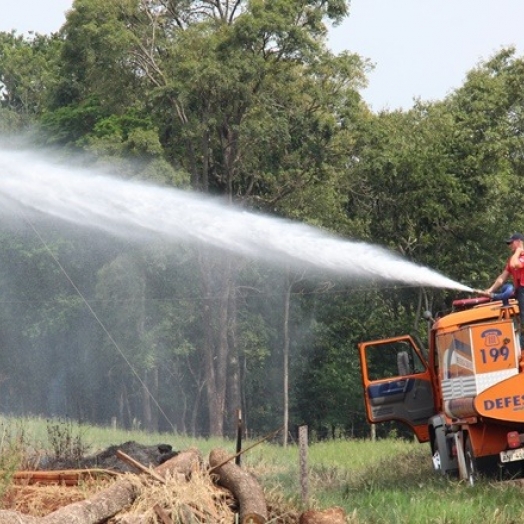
(424, 48)
(421, 49)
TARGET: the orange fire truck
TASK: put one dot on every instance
(464, 394)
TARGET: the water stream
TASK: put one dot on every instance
(32, 184)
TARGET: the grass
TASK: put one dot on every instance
(61, 436)
(11, 457)
(389, 481)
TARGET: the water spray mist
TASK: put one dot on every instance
(33, 184)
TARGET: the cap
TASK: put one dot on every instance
(515, 236)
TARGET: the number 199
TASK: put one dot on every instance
(494, 354)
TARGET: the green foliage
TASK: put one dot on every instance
(439, 181)
(68, 125)
(247, 103)
(390, 480)
(28, 72)
(10, 121)
(95, 56)
(328, 389)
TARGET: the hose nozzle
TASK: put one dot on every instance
(483, 293)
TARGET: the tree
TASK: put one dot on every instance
(435, 183)
(28, 72)
(243, 95)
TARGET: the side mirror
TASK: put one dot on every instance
(428, 316)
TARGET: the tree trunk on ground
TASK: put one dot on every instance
(91, 511)
(244, 486)
(334, 515)
(185, 463)
(109, 502)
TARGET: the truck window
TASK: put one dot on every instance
(391, 360)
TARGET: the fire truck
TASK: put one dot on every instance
(464, 393)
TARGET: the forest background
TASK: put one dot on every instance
(242, 101)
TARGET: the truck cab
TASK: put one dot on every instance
(464, 394)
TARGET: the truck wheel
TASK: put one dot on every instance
(437, 462)
(477, 466)
(471, 463)
(443, 463)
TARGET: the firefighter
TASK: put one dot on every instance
(514, 269)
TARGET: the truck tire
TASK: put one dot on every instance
(443, 463)
(477, 466)
(437, 461)
(471, 463)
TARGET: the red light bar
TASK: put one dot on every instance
(469, 302)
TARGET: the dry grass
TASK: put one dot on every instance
(40, 500)
(196, 500)
(280, 509)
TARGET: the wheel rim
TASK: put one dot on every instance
(437, 465)
(470, 463)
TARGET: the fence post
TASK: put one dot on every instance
(239, 436)
(303, 448)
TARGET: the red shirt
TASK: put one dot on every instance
(517, 273)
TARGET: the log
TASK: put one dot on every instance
(106, 503)
(184, 464)
(243, 485)
(140, 467)
(13, 517)
(68, 477)
(131, 519)
(96, 509)
(333, 515)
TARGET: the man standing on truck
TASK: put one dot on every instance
(514, 268)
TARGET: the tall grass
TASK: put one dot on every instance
(390, 481)
(11, 454)
(53, 434)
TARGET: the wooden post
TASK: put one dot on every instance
(239, 437)
(303, 448)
